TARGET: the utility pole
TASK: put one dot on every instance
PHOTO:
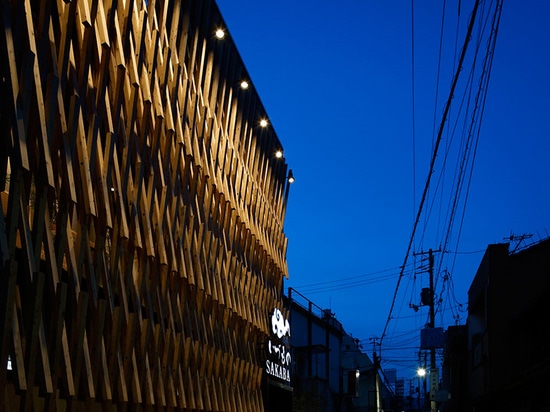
(432, 303)
(376, 364)
(433, 367)
(434, 373)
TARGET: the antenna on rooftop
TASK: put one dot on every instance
(517, 240)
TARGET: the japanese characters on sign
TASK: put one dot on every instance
(279, 358)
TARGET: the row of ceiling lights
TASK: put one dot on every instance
(220, 34)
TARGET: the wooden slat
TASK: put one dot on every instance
(13, 44)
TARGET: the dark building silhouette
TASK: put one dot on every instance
(500, 360)
(454, 379)
(317, 352)
(508, 330)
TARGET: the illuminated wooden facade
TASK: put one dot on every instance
(141, 227)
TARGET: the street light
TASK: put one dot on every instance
(421, 372)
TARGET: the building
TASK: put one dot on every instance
(508, 312)
(142, 250)
(454, 379)
(362, 380)
(330, 370)
(317, 353)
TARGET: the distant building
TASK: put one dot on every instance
(508, 325)
(363, 382)
(330, 372)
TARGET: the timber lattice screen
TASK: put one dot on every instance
(141, 225)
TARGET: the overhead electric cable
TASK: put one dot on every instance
(413, 79)
(481, 96)
(432, 163)
(332, 288)
(346, 279)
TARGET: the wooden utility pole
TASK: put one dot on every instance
(376, 364)
(433, 367)
(434, 373)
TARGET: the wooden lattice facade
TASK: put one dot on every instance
(141, 225)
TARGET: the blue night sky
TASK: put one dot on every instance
(336, 79)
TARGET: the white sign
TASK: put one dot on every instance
(278, 364)
(276, 370)
(279, 324)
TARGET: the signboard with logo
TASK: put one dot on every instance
(277, 364)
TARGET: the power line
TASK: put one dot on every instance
(348, 282)
(332, 288)
(413, 98)
(467, 163)
(432, 162)
(339, 280)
